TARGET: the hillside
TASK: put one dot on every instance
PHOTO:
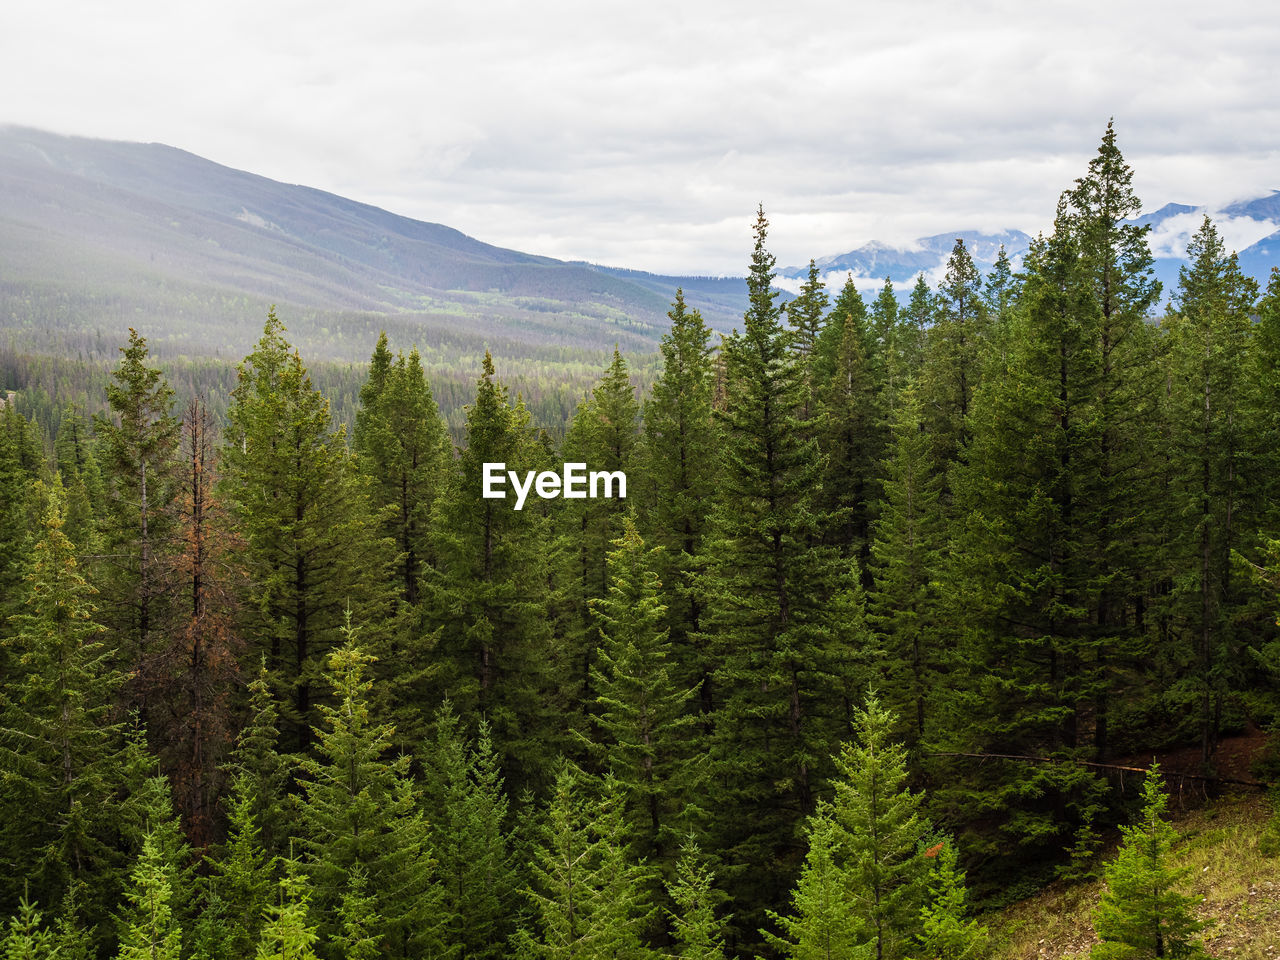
(1240, 887)
(99, 234)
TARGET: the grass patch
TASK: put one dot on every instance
(1240, 887)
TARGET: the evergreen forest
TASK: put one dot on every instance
(899, 590)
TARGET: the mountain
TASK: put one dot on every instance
(927, 254)
(98, 233)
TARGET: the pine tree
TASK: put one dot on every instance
(259, 773)
(1209, 334)
(679, 470)
(823, 925)
(148, 927)
(138, 440)
(603, 436)
(23, 938)
(1117, 270)
(311, 549)
(470, 837)
(20, 466)
(806, 313)
(358, 937)
(404, 446)
(914, 324)
(643, 724)
(61, 753)
(1141, 913)
(782, 620)
(881, 830)
(489, 594)
(694, 926)
(189, 680)
(906, 555)
(945, 933)
(245, 873)
(953, 356)
(287, 934)
(359, 809)
(589, 898)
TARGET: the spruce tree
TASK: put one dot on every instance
(138, 440)
(589, 898)
(781, 621)
(907, 550)
(679, 470)
(359, 809)
(62, 753)
(311, 548)
(148, 927)
(287, 933)
(489, 594)
(1142, 913)
(643, 725)
(946, 933)
(880, 832)
(404, 447)
(694, 926)
(23, 937)
(1209, 332)
(822, 925)
(471, 840)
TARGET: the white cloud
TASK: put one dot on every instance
(645, 134)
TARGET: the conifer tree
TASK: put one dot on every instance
(23, 937)
(694, 925)
(359, 809)
(679, 468)
(311, 549)
(358, 937)
(945, 931)
(642, 719)
(471, 841)
(823, 924)
(1264, 412)
(244, 874)
(1209, 335)
(148, 927)
(603, 436)
(20, 467)
(62, 755)
(1117, 269)
(780, 623)
(880, 832)
(953, 356)
(404, 446)
(906, 556)
(138, 440)
(848, 309)
(914, 323)
(287, 934)
(1142, 913)
(589, 898)
(852, 439)
(806, 313)
(489, 593)
(258, 771)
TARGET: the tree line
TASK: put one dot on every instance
(275, 690)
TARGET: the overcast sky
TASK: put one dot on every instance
(643, 134)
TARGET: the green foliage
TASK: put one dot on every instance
(589, 898)
(881, 832)
(311, 547)
(1141, 913)
(287, 934)
(645, 733)
(23, 938)
(823, 924)
(63, 760)
(471, 840)
(148, 926)
(945, 932)
(784, 615)
(694, 926)
(360, 810)
(489, 594)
